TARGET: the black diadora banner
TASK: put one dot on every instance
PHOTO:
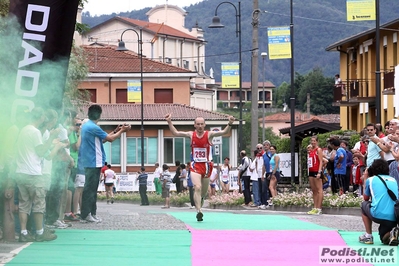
(41, 51)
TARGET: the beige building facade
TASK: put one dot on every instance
(357, 55)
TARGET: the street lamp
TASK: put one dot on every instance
(121, 47)
(264, 54)
(216, 24)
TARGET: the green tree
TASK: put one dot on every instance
(320, 90)
(77, 72)
(283, 94)
(4, 6)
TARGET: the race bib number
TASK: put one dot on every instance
(225, 177)
(200, 155)
(310, 162)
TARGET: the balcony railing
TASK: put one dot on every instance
(389, 84)
(353, 89)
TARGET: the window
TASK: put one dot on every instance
(113, 152)
(186, 64)
(92, 94)
(134, 150)
(121, 95)
(163, 95)
(176, 149)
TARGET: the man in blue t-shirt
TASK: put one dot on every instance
(264, 182)
(339, 164)
(381, 207)
(93, 158)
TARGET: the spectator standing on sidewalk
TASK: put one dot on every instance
(30, 152)
(315, 168)
(109, 178)
(224, 175)
(264, 180)
(60, 172)
(339, 164)
(157, 182)
(166, 180)
(256, 172)
(190, 186)
(142, 178)
(244, 175)
(93, 158)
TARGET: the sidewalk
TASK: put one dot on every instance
(148, 235)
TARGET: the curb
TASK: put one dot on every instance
(353, 211)
(326, 210)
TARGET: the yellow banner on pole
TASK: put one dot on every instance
(231, 75)
(134, 91)
(279, 42)
(360, 10)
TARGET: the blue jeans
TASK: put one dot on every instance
(255, 193)
(264, 190)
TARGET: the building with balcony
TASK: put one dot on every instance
(357, 55)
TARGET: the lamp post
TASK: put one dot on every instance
(264, 54)
(121, 47)
(377, 64)
(292, 96)
(216, 24)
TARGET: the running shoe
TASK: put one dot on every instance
(393, 237)
(199, 216)
(26, 238)
(88, 219)
(71, 217)
(366, 239)
(98, 219)
(60, 225)
(46, 236)
(312, 211)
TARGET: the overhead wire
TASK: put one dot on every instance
(319, 20)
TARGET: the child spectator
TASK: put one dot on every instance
(142, 178)
(166, 180)
(183, 177)
(356, 173)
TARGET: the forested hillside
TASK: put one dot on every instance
(317, 24)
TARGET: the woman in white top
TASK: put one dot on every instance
(213, 179)
(224, 175)
(256, 172)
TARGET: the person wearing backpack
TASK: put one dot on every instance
(381, 207)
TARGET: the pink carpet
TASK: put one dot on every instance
(241, 247)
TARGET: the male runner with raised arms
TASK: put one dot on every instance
(201, 166)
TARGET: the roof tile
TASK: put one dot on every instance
(158, 28)
(105, 59)
(153, 112)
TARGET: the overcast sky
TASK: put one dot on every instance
(105, 7)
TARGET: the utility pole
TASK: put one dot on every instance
(254, 76)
